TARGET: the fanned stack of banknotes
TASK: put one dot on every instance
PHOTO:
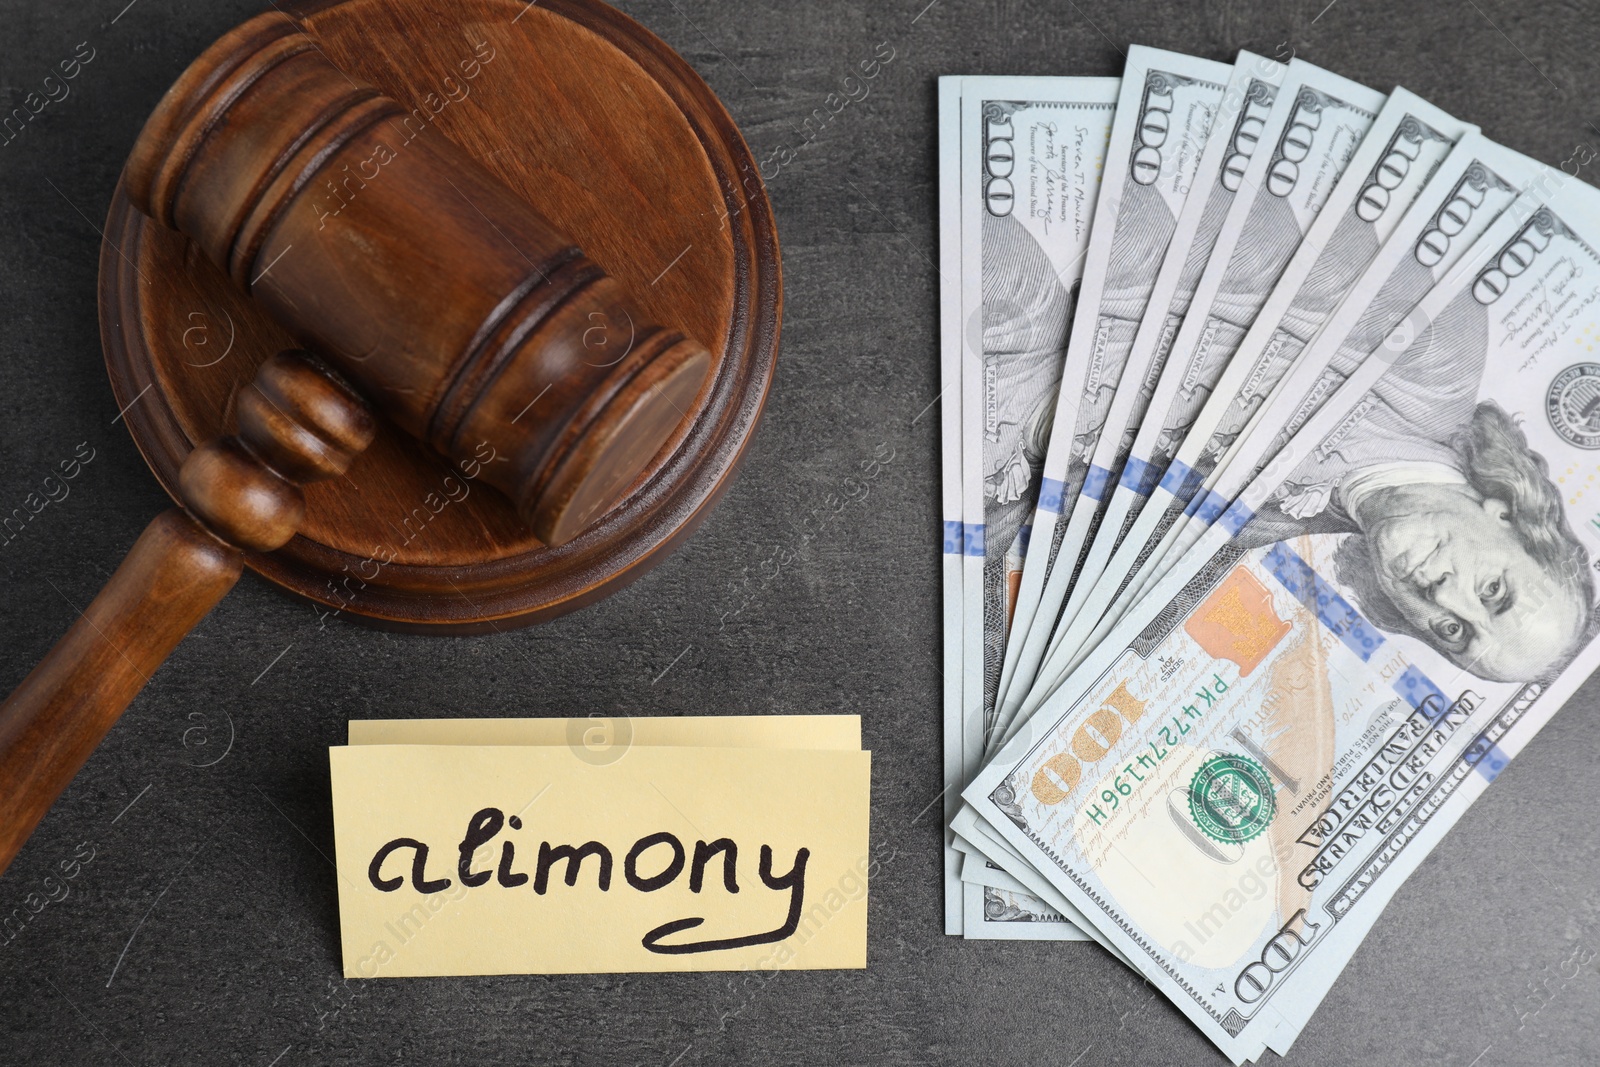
(1270, 412)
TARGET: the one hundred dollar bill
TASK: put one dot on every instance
(1030, 159)
(1163, 118)
(1396, 158)
(1239, 778)
(953, 539)
(1477, 181)
(1313, 127)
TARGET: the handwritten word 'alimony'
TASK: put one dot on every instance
(488, 823)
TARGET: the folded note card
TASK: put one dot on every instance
(532, 856)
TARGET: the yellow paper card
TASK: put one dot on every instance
(458, 860)
(610, 735)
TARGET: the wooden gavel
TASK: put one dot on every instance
(428, 287)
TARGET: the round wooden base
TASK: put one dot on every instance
(612, 136)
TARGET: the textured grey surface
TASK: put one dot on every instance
(204, 929)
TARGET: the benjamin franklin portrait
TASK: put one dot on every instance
(1456, 533)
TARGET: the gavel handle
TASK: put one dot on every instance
(241, 493)
(175, 574)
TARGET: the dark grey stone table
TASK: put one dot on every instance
(201, 926)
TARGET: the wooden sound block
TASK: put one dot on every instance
(606, 131)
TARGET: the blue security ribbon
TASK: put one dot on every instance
(975, 539)
(1336, 613)
(1420, 692)
(1236, 518)
(1180, 479)
(1050, 490)
(1488, 762)
(1140, 475)
(954, 537)
(1207, 506)
(1095, 483)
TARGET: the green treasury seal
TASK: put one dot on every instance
(1231, 798)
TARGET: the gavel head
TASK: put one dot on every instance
(453, 305)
